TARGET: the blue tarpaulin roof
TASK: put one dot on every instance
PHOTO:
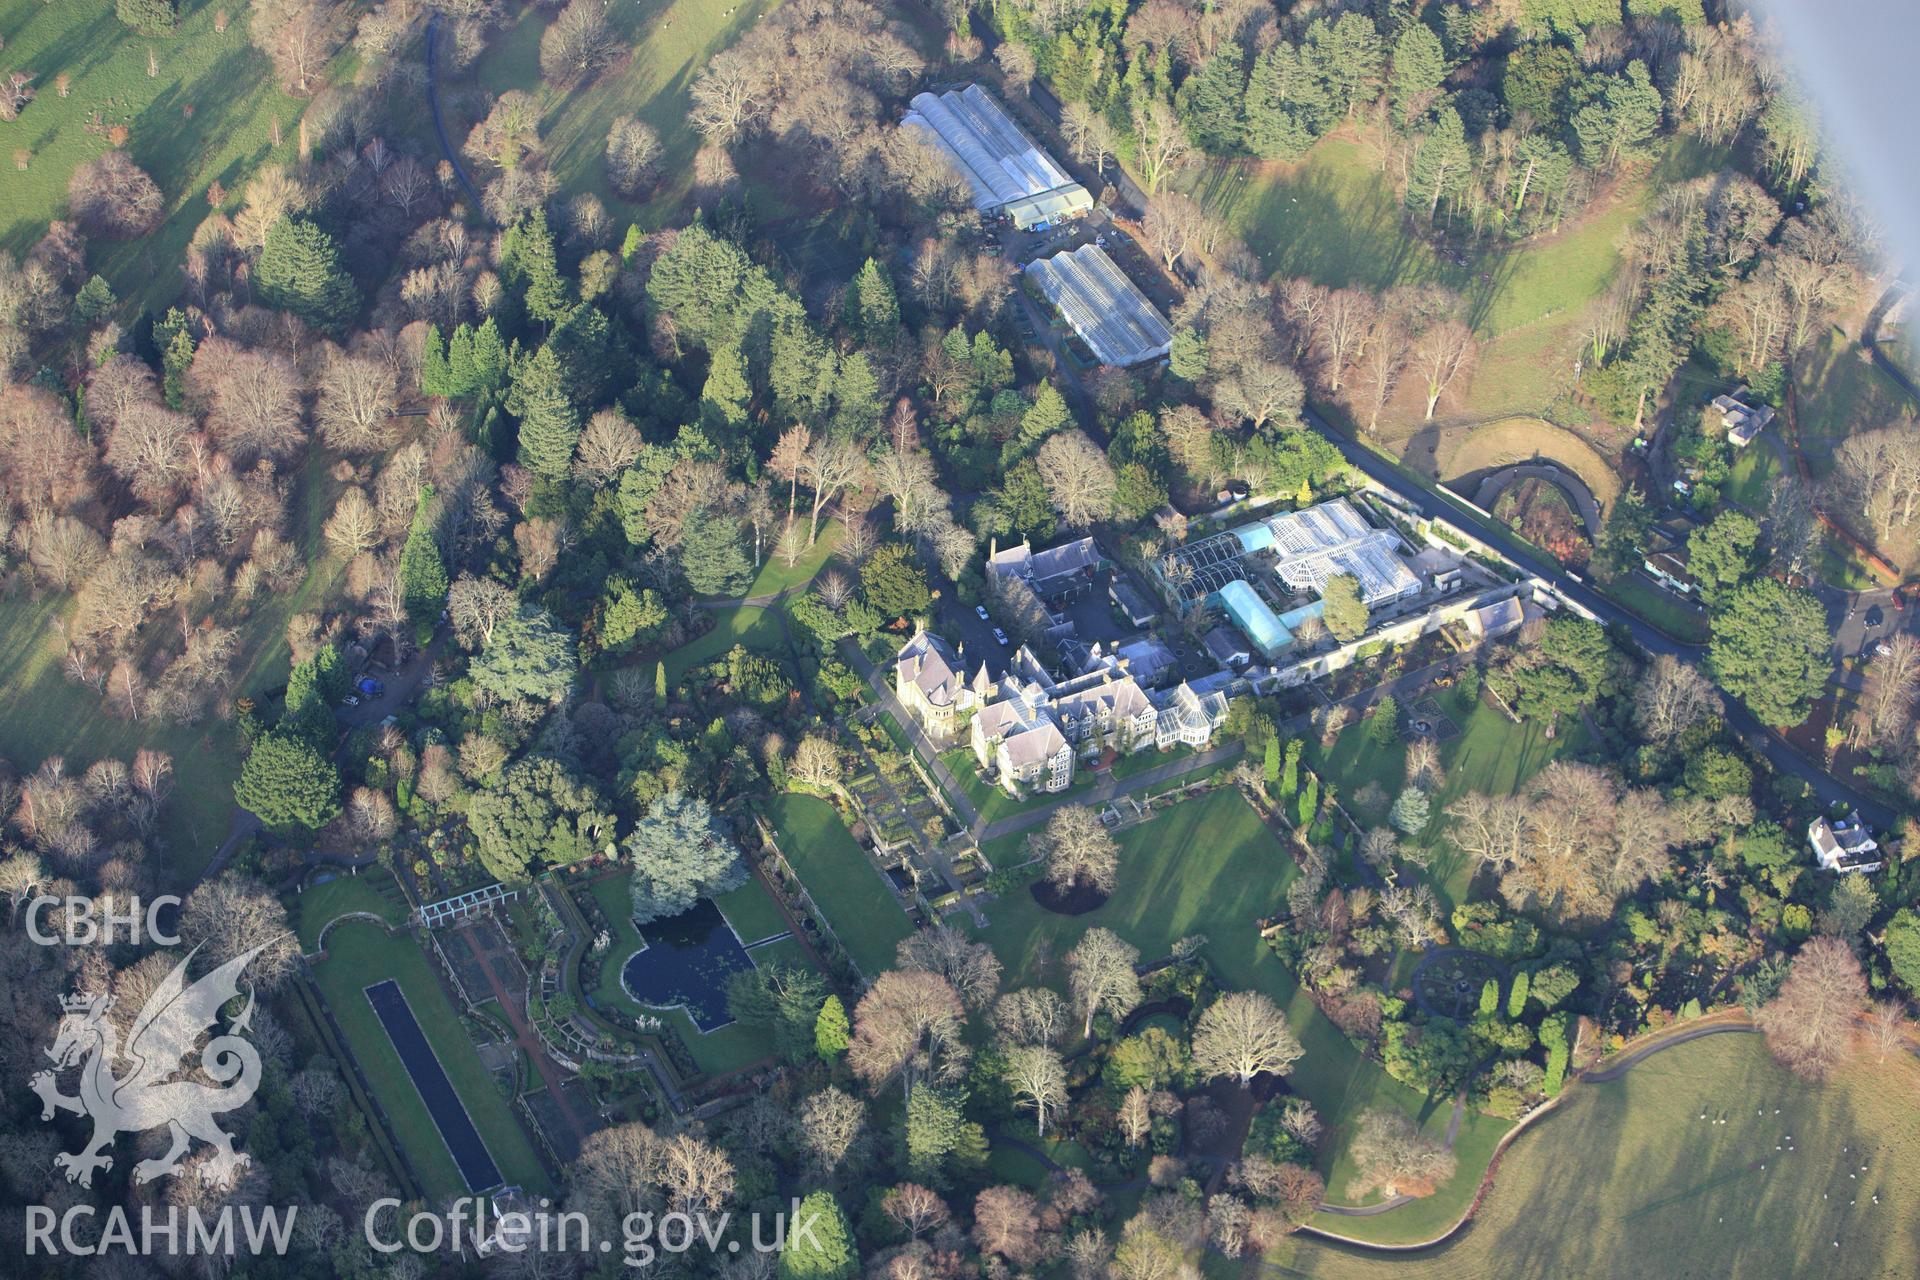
(1251, 614)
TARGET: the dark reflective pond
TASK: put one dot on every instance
(687, 961)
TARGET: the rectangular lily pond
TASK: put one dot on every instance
(685, 964)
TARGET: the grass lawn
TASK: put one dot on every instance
(1639, 594)
(207, 115)
(1837, 393)
(745, 624)
(1492, 754)
(1625, 1173)
(777, 575)
(859, 907)
(1753, 477)
(1209, 866)
(717, 1052)
(373, 890)
(671, 41)
(359, 954)
(1514, 440)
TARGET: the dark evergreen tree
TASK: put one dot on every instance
(423, 574)
(712, 557)
(436, 371)
(1212, 103)
(872, 309)
(300, 271)
(530, 268)
(549, 424)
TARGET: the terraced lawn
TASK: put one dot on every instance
(360, 953)
(849, 890)
(373, 891)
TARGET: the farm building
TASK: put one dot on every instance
(1109, 313)
(1008, 172)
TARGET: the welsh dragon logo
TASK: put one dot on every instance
(150, 1094)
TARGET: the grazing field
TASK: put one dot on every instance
(207, 114)
(747, 909)
(848, 889)
(1625, 1180)
(1335, 217)
(1512, 440)
(670, 40)
(1209, 866)
(360, 952)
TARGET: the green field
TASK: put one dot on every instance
(207, 115)
(1625, 1180)
(1491, 754)
(1208, 866)
(1837, 393)
(671, 41)
(373, 891)
(848, 889)
(753, 916)
(1335, 217)
(777, 575)
(359, 954)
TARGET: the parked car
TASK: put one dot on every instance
(350, 701)
(1682, 488)
(980, 611)
(1001, 636)
(1881, 649)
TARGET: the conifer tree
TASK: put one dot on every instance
(831, 1034)
(300, 271)
(549, 424)
(530, 267)
(491, 359)
(174, 362)
(436, 373)
(423, 574)
(872, 307)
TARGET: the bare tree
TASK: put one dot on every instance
(1671, 697)
(1176, 226)
(1395, 1158)
(1161, 142)
(1135, 1117)
(476, 606)
(1079, 479)
(909, 478)
(1809, 1024)
(253, 397)
(908, 1026)
(578, 43)
(233, 914)
(1006, 1222)
(509, 134)
(1887, 1022)
(732, 95)
(1100, 975)
(299, 36)
(355, 408)
(915, 1209)
(1032, 1015)
(834, 464)
(609, 444)
(1090, 135)
(1079, 851)
(969, 967)
(1443, 350)
(816, 762)
(1038, 1079)
(633, 157)
(1016, 64)
(1381, 362)
(1242, 1035)
(354, 526)
(831, 1123)
(113, 197)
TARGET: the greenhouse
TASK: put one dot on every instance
(1109, 313)
(1006, 169)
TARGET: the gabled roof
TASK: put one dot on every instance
(928, 664)
(1033, 746)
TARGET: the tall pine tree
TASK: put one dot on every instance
(300, 271)
(530, 268)
(549, 424)
(436, 373)
(423, 574)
